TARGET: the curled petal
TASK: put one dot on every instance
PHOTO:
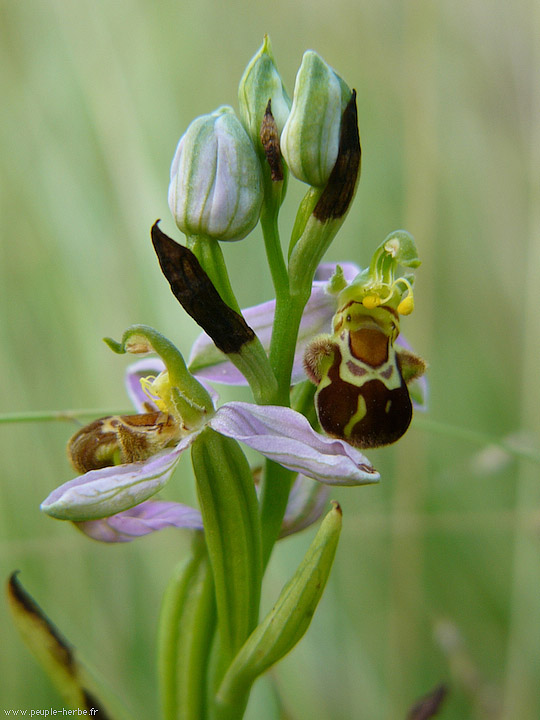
(141, 520)
(285, 436)
(102, 493)
(307, 502)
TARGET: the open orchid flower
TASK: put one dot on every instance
(307, 499)
(279, 433)
(208, 363)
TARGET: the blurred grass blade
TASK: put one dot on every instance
(186, 628)
(76, 684)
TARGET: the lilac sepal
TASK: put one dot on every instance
(285, 436)
(146, 518)
(307, 502)
(105, 492)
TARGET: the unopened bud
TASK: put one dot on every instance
(311, 136)
(261, 83)
(216, 179)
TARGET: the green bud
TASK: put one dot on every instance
(311, 136)
(288, 620)
(260, 83)
(216, 180)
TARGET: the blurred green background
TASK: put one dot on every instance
(437, 577)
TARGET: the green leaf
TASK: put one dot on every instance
(286, 623)
(233, 535)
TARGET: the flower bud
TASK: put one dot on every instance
(310, 138)
(216, 181)
(260, 83)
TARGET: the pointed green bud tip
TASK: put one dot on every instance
(311, 136)
(261, 83)
(216, 179)
(337, 282)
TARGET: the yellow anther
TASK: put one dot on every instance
(151, 388)
(406, 306)
(371, 301)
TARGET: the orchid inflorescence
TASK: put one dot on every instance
(329, 372)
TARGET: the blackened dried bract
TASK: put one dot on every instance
(429, 705)
(339, 191)
(59, 646)
(270, 143)
(194, 290)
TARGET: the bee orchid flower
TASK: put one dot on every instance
(278, 433)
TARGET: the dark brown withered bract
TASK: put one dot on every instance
(25, 603)
(270, 143)
(339, 191)
(57, 645)
(429, 705)
(194, 290)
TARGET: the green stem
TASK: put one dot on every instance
(232, 530)
(55, 415)
(208, 252)
(277, 480)
(289, 309)
(274, 252)
(275, 491)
